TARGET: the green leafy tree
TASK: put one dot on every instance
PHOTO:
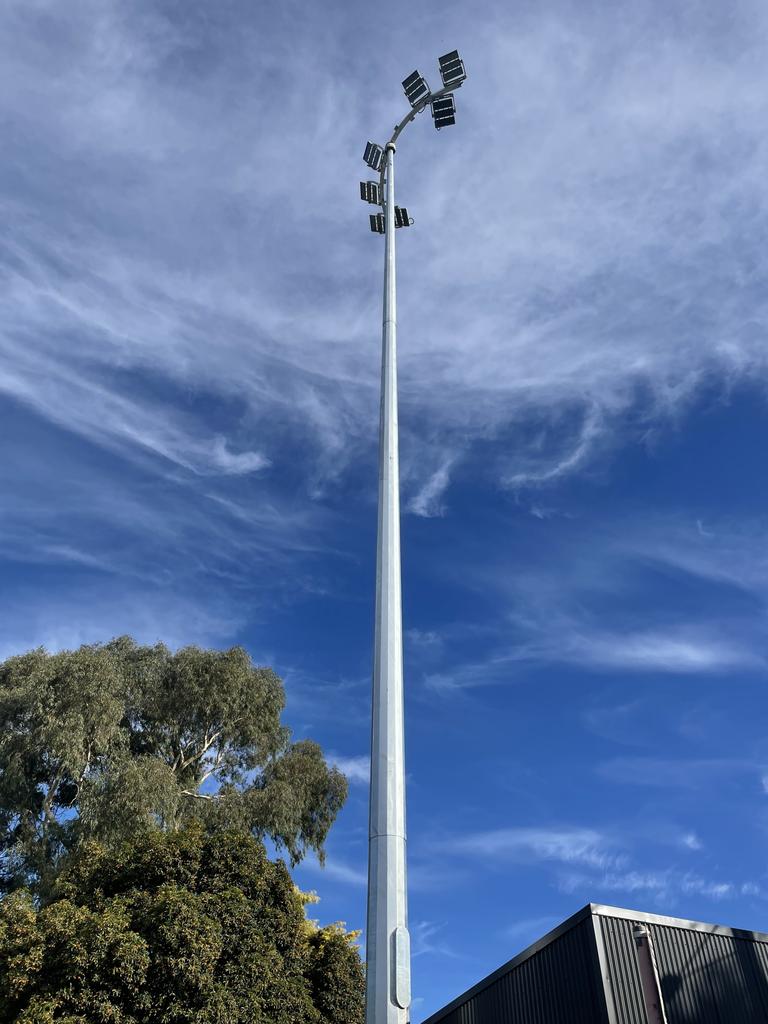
(173, 928)
(107, 740)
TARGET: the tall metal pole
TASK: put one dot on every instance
(388, 980)
(388, 953)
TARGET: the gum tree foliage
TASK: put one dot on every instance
(106, 740)
(175, 928)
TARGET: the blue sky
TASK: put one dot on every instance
(189, 357)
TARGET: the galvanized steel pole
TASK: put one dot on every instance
(388, 982)
(388, 953)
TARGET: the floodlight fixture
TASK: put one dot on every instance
(369, 192)
(444, 111)
(416, 89)
(452, 69)
(402, 220)
(377, 223)
(373, 156)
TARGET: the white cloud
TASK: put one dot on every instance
(531, 928)
(235, 462)
(425, 940)
(682, 773)
(732, 554)
(626, 881)
(677, 651)
(427, 502)
(704, 887)
(96, 613)
(562, 845)
(146, 315)
(356, 769)
(126, 424)
(336, 869)
(564, 464)
(562, 640)
(621, 286)
(691, 841)
(423, 638)
(594, 862)
(665, 886)
(597, 603)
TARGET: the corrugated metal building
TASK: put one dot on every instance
(586, 972)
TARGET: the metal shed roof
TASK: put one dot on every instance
(584, 969)
(709, 974)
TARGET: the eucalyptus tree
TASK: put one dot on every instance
(110, 739)
(171, 928)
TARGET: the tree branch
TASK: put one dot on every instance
(207, 744)
(49, 797)
(214, 767)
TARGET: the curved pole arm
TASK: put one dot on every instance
(407, 120)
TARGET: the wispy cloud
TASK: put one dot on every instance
(664, 886)
(595, 862)
(337, 870)
(683, 773)
(356, 769)
(426, 940)
(531, 928)
(563, 464)
(561, 845)
(166, 315)
(691, 841)
(129, 424)
(318, 697)
(608, 313)
(424, 639)
(189, 340)
(730, 552)
(428, 500)
(606, 602)
(674, 651)
(96, 613)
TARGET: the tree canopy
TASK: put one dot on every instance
(105, 741)
(174, 928)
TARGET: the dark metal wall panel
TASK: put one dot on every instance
(622, 971)
(707, 977)
(585, 972)
(558, 984)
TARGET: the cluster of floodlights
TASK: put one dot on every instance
(443, 107)
(402, 220)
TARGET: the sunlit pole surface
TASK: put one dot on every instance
(388, 954)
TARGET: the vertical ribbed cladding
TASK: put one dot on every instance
(622, 969)
(707, 976)
(557, 984)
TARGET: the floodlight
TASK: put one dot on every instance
(416, 89)
(373, 156)
(377, 223)
(444, 111)
(452, 68)
(369, 192)
(402, 220)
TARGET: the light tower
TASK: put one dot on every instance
(388, 955)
